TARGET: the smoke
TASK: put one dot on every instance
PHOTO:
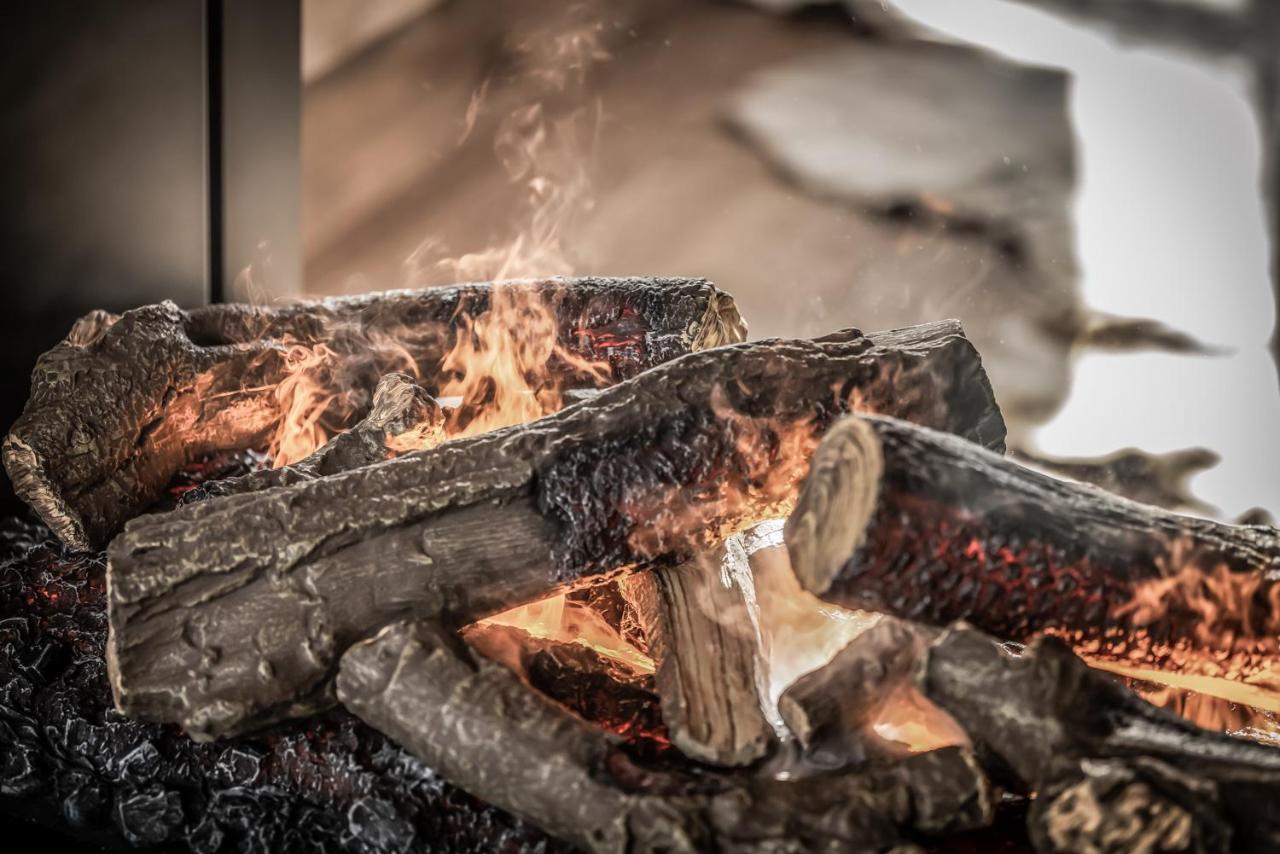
(544, 145)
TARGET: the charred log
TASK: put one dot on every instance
(125, 401)
(705, 652)
(403, 415)
(1111, 772)
(926, 526)
(481, 728)
(231, 613)
(829, 710)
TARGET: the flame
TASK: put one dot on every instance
(508, 365)
(1210, 712)
(571, 622)
(908, 721)
(1214, 631)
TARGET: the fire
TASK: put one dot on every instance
(1213, 631)
(327, 385)
(508, 365)
(571, 622)
(909, 722)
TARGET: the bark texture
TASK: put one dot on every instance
(1111, 772)
(231, 613)
(829, 709)
(705, 654)
(925, 526)
(125, 401)
(476, 724)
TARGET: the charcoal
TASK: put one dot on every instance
(67, 756)
(377, 828)
(149, 816)
(87, 803)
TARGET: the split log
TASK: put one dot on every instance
(125, 401)
(705, 655)
(403, 416)
(479, 727)
(925, 526)
(232, 613)
(1111, 772)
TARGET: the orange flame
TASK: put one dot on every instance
(559, 619)
(1213, 631)
(508, 365)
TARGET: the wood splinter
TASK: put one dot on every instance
(705, 654)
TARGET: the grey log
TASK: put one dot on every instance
(829, 709)
(478, 726)
(232, 613)
(1111, 772)
(120, 405)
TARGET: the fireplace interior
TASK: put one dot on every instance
(567, 563)
(402, 525)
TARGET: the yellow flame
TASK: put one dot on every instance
(559, 619)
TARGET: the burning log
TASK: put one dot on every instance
(125, 401)
(476, 724)
(830, 710)
(232, 613)
(704, 649)
(403, 416)
(1111, 772)
(910, 521)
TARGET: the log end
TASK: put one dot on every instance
(721, 323)
(836, 503)
(27, 472)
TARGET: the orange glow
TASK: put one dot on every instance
(508, 365)
(1213, 631)
(909, 721)
(558, 619)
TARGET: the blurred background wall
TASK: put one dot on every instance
(1088, 204)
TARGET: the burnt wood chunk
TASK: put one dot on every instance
(231, 613)
(402, 416)
(120, 405)
(476, 724)
(1111, 772)
(705, 655)
(829, 709)
(926, 526)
